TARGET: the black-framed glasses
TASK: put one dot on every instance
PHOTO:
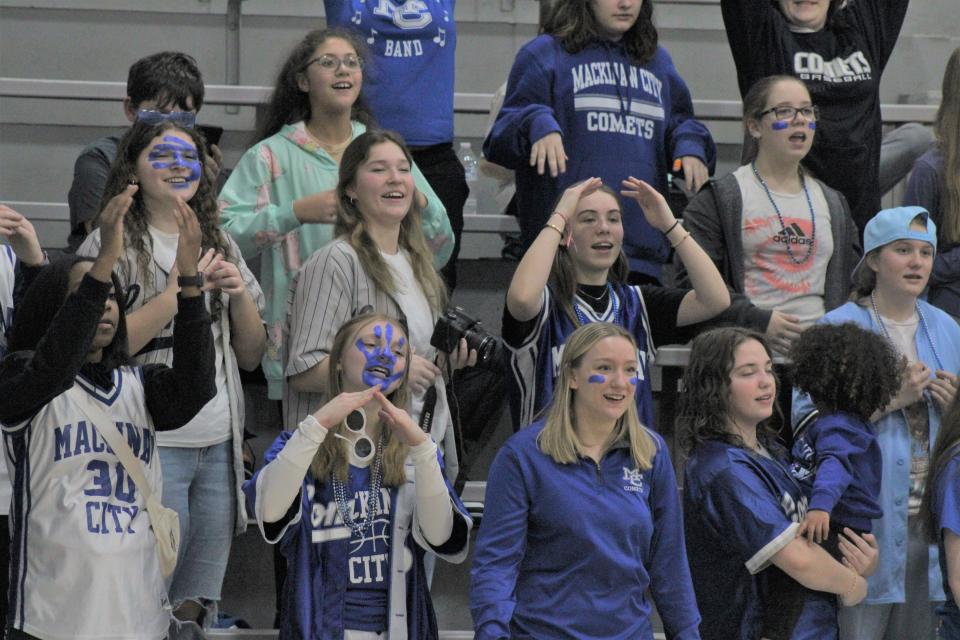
(811, 113)
(151, 117)
(331, 62)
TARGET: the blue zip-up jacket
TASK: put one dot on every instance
(316, 545)
(617, 119)
(837, 461)
(893, 434)
(570, 550)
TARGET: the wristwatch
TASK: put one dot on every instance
(191, 281)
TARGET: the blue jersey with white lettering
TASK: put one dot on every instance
(338, 580)
(740, 508)
(617, 119)
(74, 507)
(409, 82)
(946, 510)
(573, 550)
(534, 358)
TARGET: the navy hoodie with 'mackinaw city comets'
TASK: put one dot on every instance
(617, 119)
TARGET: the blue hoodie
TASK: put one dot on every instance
(617, 119)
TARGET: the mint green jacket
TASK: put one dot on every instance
(256, 209)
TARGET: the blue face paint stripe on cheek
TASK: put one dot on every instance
(634, 381)
(596, 379)
(779, 125)
(812, 126)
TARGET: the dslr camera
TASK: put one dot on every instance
(454, 324)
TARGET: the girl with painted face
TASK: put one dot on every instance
(203, 460)
(840, 49)
(940, 511)
(338, 495)
(741, 507)
(280, 203)
(899, 249)
(380, 259)
(935, 185)
(84, 555)
(783, 240)
(575, 273)
(582, 515)
(594, 95)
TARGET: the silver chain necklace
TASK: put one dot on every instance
(783, 225)
(361, 527)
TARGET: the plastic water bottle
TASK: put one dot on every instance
(472, 171)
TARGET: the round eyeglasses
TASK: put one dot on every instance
(331, 62)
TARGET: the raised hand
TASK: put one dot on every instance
(333, 413)
(399, 421)
(110, 223)
(224, 275)
(188, 245)
(572, 195)
(22, 236)
(654, 206)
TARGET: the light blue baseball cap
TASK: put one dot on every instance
(890, 225)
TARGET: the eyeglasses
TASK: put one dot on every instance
(331, 62)
(185, 119)
(811, 113)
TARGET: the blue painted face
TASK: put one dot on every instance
(175, 152)
(634, 381)
(380, 359)
(596, 378)
(780, 125)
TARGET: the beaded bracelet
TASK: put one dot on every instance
(674, 246)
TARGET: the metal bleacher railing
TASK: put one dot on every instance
(464, 103)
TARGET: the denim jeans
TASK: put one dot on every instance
(198, 483)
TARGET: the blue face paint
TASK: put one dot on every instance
(812, 125)
(596, 379)
(779, 125)
(382, 358)
(634, 380)
(174, 152)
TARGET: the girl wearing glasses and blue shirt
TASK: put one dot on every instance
(783, 241)
(280, 202)
(338, 495)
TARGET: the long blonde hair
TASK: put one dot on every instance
(332, 456)
(559, 439)
(350, 224)
(947, 129)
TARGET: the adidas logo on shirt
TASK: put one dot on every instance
(792, 235)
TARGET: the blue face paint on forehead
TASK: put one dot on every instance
(381, 361)
(596, 379)
(175, 152)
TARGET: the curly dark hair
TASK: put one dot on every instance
(203, 203)
(288, 103)
(572, 23)
(844, 367)
(704, 403)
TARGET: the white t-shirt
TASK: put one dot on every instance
(212, 424)
(772, 280)
(420, 323)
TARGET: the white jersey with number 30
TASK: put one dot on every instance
(83, 558)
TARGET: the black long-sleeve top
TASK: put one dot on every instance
(31, 379)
